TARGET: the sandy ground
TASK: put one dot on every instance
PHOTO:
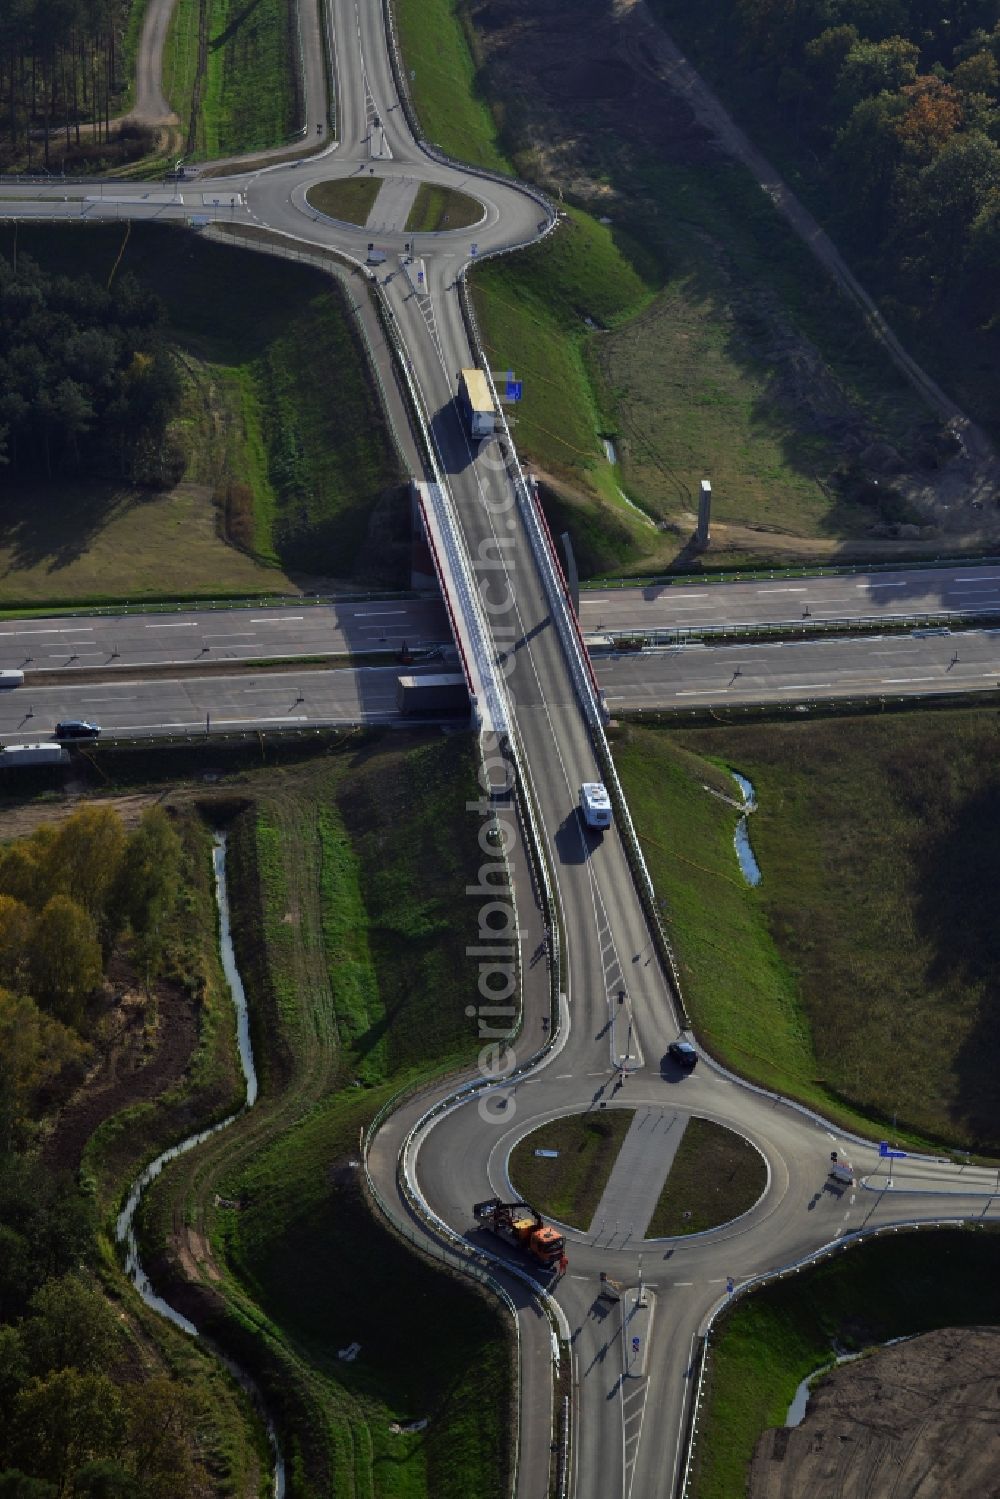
(920, 1420)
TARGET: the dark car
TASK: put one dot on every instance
(76, 728)
(684, 1054)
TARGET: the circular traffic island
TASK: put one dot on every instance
(438, 209)
(664, 1172)
(348, 199)
(715, 1176)
(563, 1167)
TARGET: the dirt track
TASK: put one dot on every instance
(920, 1420)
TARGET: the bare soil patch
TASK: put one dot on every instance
(144, 1045)
(920, 1418)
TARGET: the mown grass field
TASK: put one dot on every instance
(441, 208)
(715, 1176)
(570, 1187)
(857, 975)
(889, 1288)
(344, 866)
(230, 74)
(349, 199)
(282, 470)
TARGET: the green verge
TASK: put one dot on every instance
(773, 1339)
(297, 469)
(857, 975)
(533, 311)
(715, 1176)
(438, 208)
(570, 1187)
(343, 871)
(444, 82)
(230, 72)
(349, 199)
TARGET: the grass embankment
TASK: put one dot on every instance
(441, 208)
(285, 462)
(349, 199)
(736, 368)
(714, 1177)
(857, 975)
(905, 1284)
(533, 311)
(343, 871)
(444, 84)
(231, 73)
(570, 1187)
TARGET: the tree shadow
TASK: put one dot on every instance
(958, 875)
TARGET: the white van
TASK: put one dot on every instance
(595, 804)
(11, 678)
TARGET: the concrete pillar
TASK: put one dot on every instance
(703, 535)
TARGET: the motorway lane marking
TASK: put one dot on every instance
(865, 586)
(284, 619)
(683, 1282)
(782, 590)
(180, 624)
(63, 630)
(230, 635)
(371, 613)
(894, 681)
(801, 686)
(133, 699)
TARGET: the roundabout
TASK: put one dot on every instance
(665, 1172)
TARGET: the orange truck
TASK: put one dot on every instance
(520, 1225)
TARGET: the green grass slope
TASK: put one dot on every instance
(857, 974)
(285, 456)
(230, 72)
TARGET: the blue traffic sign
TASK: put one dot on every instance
(890, 1155)
(515, 389)
(730, 1285)
(635, 1345)
(473, 249)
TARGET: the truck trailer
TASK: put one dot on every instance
(476, 402)
(444, 694)
(11, 678)
(518, 1224)
(12, 755)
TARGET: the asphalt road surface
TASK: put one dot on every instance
(254, 633)
(199, 704)
(795, 671)
(682, 603)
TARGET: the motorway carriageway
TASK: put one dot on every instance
(950, 589)
(249, 633)
(676, 677)
(354, 627)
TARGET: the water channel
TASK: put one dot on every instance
(125, 1226)
(749, 867)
